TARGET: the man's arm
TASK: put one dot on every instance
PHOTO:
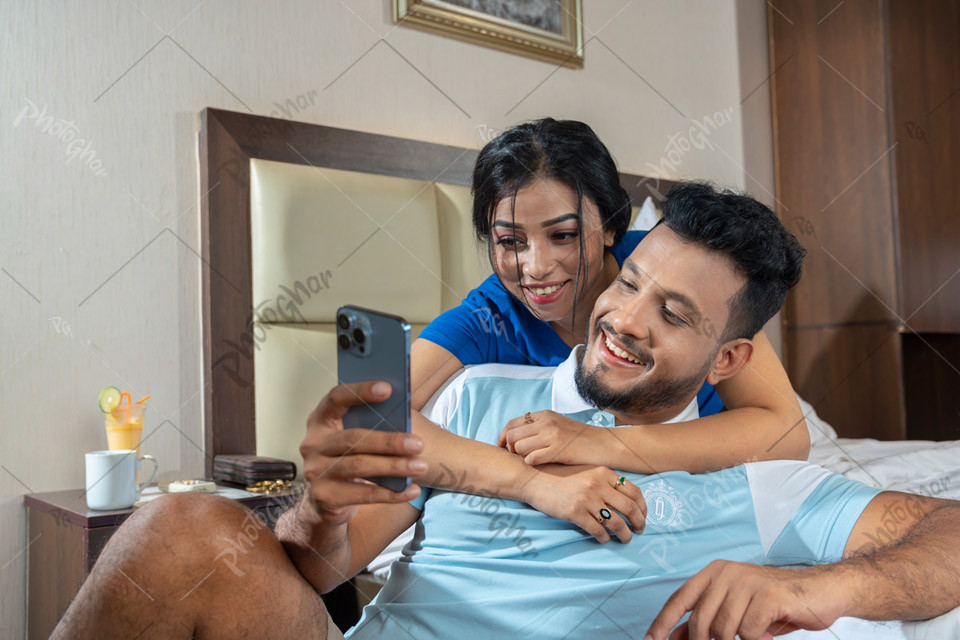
(901, 562)
(328, 556)
(342, 522)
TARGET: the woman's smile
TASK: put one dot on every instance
(547, 293)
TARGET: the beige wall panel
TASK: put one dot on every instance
(465, 263)
(323, 238)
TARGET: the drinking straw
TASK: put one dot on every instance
(143, 399)
(126, 409)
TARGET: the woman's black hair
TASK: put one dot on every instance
(567, 151)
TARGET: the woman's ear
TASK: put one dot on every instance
(731, 359)
(608, 236)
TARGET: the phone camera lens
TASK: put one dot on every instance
(343, 341)
(343, 321)
(358, 336)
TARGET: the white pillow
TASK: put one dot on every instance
(820, 431)
(646, 218)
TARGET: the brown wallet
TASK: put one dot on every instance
(247, 469)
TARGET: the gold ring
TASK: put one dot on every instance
(527, 418)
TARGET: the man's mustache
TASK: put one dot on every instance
(631, 345)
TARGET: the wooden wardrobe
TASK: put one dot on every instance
(866, 103)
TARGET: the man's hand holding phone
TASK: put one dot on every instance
(336, 460)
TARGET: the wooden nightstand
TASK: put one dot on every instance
(65, 538)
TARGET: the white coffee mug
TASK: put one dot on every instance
(112, 478)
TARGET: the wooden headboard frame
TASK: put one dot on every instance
(228, 140)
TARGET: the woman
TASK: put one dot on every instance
(549, 205)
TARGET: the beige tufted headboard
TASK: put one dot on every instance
(299, 219)
(395, 244)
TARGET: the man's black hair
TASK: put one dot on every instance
(751, 235)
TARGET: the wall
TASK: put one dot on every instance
(98, 243)
(757, 116)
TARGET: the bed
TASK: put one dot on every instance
(915, 466)
(298, 219)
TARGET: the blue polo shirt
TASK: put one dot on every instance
(482, 567)
(492, 325)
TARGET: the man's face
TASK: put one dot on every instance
(654, 333)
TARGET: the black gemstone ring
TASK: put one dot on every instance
(605, 514)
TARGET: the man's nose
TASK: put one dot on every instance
(631, 321)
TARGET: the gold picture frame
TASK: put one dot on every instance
(559, 39)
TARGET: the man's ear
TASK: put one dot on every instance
(731, 359)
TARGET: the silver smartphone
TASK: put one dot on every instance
(372, 345)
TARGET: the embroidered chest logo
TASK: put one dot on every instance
(663, 506)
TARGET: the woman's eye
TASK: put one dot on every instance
(507, 241)
(565, 235)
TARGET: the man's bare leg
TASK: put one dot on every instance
(194, 565)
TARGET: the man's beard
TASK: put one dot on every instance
(641, 397)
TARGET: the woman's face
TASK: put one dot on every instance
(541, 237)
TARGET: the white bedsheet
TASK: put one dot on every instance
(854, 629)
(915, 466)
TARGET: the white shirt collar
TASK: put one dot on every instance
(566, 399)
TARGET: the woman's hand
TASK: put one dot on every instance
(547, 436)
(578, 493)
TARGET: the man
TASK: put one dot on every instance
(498, 568)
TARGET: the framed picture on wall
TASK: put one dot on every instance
(550, 30)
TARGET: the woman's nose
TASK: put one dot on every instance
(537, 264)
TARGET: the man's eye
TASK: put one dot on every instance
(627, 284)
(672, 317)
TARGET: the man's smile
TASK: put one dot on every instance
(613, 352)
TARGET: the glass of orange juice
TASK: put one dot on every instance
(124, 427)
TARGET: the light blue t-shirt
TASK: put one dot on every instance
(492, 568)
